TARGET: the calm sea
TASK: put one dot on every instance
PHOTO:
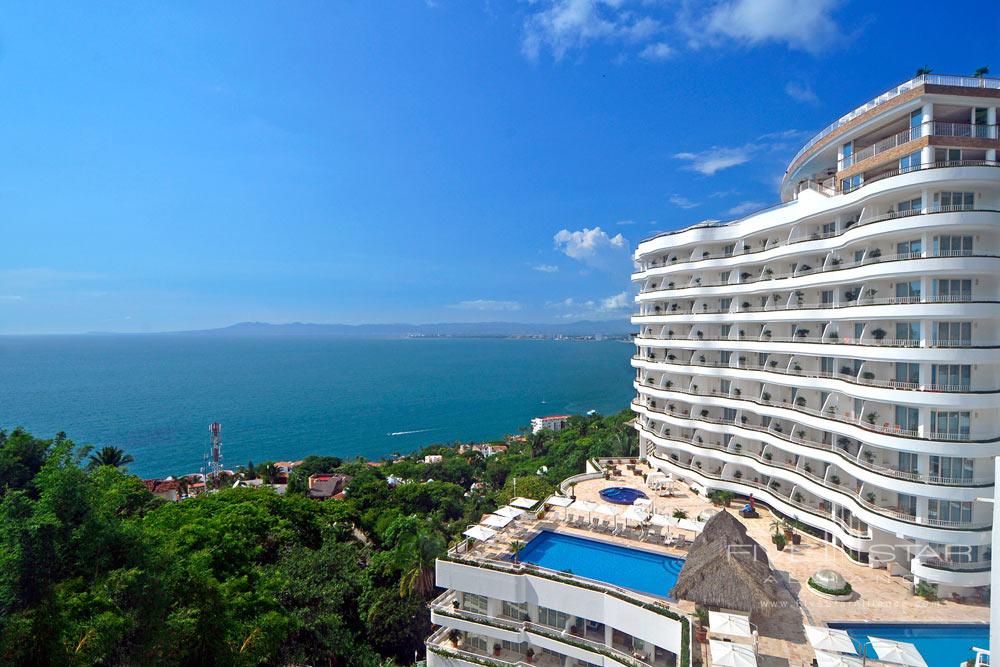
(284, 398)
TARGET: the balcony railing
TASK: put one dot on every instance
(777, 243)
(906, 86)
(934, 128)
(848, 188)
(956, 343)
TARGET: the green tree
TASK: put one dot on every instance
(110, 456)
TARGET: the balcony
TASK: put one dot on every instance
(848, 188)
(934, 128)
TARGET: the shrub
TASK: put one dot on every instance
(846, 590)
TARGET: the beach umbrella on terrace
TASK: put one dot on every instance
(899, 653)
(524, 503)
(830, 639)
(495, 521)
(727, 569)
(508, 511)
(735, 625)
(824, 659)
(581, 506)
(560, 501)
(480, 533)
(636, 514)
(728, 654)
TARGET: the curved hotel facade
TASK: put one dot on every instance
(838, 355)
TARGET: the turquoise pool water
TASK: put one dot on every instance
(941, 645)
(635, 569)
(621, 495)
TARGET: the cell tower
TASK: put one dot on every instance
(214, 457)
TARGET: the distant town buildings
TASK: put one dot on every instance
(487, 449)
(168, 489)
(326, 485)
(550, 423)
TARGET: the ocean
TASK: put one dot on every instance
(281, 398)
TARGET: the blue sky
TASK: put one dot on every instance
(171, 166)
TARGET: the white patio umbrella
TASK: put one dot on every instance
(824, 659)
(636, 514)
(509, 511)
(480, 533)
(495, 521)
(728, 654)
(899, 653)
(524, 503)
(829, 639)
(735, 625)
(643, 502)
(688, 524)
(583, 507)
(555, 501)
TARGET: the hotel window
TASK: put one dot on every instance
(979, 116)
(725, 329)
(951, 468)
(724, 386)
(518, 612)
(907, 504)
(724, 277)
(724, 304)
(952, 290)
(953, 333)
(477, 642)
(826, 296)
(859, 328)
(908, 290)
(910, 206)
(729, 414)
(851, 183)
(829, 228)
(848, 149)
(951, 375)
(945, 246)
(949, 424)
(907, 462)
(826, 365)
(907, 419)
(474, 603)
(909, 162)
(909, 247)
(552, 618)
(724, 357)
(762, 359)
(949, 510)
(953, 200)
(907, 373)
(728, 250)
(916, 118)
(947, 154)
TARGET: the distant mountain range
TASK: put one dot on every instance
(457, 329)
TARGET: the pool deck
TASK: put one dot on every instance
(878, 596)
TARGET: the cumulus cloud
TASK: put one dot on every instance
(656, 51)
(487, 304)
(715, 159)
(568, 25)
(623, 223)
(745, 207)
(806, 25)
(546, 268)
(610, 307)
(593, 247)
(619, 301)
(801, 92)
(682, 202)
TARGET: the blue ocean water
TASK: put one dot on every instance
(283, 398)
(634, 569)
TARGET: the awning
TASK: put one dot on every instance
(734, 625)
(524, 503)
(824, 659)
(509, 511)
(899, 653)
(643, 502)
(496, 521)
(555, 501)
(606, 510)
(829, 639)
(480, 533)
(688, 524)
(728, 654)
(660, 520)
(583, 506)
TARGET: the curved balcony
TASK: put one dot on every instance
(865, 471)
(951, 573)
(886, 518)
(824, 420)
(744, 254)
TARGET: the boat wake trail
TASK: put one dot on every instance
(422, 430)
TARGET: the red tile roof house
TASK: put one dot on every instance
(168, 489)
(282, 468)
(325, 485)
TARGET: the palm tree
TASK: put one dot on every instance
(923, 71)
(417, 555)
(516, 547)
(110, 456)
(981, 72)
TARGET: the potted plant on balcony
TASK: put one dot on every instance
(454, 604)
(835, 480)
(800, 401)
(765, 397)
(878, 334)
(870, 497)
(779, 540)
(701, 629)
(797, 497)
(680, 514)
(737, 474)
(529, 654)
(496, 649)
(807, 467)
(768, 456)
(868, 375)
(454, 636)
(516, 547)
(801, 434)
(573, 630)
(871, 418)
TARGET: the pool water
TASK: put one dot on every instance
(621, 495)
(940, 644)
(635, 569)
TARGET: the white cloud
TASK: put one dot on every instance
(745, 207)
(801, 92)
(623, 223)
(487, 304)
(546, 268)
(610, 307)
(801, 24)
(594, 247)
(619, 301)
(717, 158)
(11, 297)
(657, 52)
(569, 25)
(682, 202)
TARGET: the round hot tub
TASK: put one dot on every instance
(621, 495)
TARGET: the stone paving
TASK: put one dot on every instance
(878, 596)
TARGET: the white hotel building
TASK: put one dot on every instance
(838, 355)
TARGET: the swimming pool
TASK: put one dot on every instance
(635, 569)
(621, 495)
(939, 644)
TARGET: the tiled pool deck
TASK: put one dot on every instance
(879, 597)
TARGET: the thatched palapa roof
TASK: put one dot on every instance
(727, 569)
